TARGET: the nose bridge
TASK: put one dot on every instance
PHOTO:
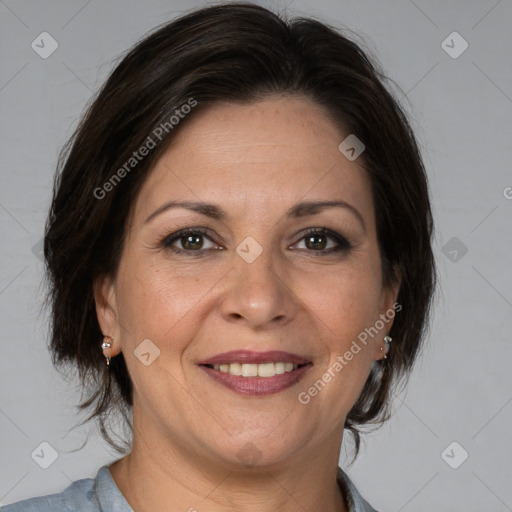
(255, 267)
(257, 292)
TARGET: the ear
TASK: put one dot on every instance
(388, 309)
(390, 292)
(106, 311)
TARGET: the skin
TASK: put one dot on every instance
(254, 161)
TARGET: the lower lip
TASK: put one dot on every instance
(257, 386)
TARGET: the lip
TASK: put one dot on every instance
(257, 386)
(251, 357)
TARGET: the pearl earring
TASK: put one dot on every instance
(107, 344)
(388, 340)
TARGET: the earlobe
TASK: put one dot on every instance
(106, 311)
(382, 348)
(389, 308)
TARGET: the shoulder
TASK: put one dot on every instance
(85, 495)
(77, 496)
(356, 502)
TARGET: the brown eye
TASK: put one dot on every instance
(190, 239)
(193, 242)
(317, 240)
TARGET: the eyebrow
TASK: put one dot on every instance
(298, 210)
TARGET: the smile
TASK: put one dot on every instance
(256, 373)
(265, 370)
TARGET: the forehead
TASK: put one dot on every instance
(275, 151)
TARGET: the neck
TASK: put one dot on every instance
(161, 477)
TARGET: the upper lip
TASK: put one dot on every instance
(251, 357)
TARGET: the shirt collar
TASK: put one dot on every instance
(111, 499)
(109, 496)
(354, 501)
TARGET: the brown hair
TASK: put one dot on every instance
(238, 53)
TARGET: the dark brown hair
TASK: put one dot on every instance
(237, 53)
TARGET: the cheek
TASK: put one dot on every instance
(352, 306)
(155, 299)
(348, 360)
(165, 304)
(347, 301)
(155, 305)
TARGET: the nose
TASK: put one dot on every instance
(258, 294)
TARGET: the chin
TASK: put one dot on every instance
(256, 451)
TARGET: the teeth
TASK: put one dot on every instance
(266, 370)
(250, 370)
(279, 368)
(256, 370)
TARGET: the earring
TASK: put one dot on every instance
(107, 344)
(388, 340)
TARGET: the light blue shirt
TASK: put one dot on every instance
(101, 494)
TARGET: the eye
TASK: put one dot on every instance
(190, 239)
(316, 240)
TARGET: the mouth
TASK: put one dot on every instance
(256, 373)
(264, 370)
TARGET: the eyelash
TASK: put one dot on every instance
(167, 241)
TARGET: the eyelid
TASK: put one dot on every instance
(342, 243)
(169, 238)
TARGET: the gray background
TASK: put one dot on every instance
(461, 109)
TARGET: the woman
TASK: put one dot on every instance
(239, 260)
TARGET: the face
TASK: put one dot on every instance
(256, 273)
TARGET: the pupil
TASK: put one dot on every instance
(193, 242)
(190, 245)
(316, 246)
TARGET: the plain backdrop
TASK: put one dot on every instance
(459, 399)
